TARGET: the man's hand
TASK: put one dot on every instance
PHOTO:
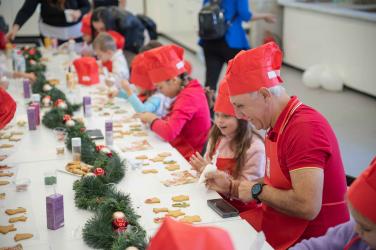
(245, 191)
(218, 181)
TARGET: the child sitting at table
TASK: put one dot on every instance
(148, 98)
(239, 149)
(106, 49)
(187, 123)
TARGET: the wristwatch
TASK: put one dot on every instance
(256, 191)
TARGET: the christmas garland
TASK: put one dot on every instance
(114, 224)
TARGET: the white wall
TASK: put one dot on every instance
(348, 44)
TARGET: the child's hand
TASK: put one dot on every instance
(146, 117)
(126, 86)
(31, 76)
(198, 162)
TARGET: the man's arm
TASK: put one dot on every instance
(303, 200)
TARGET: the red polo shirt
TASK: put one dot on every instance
(309, 141)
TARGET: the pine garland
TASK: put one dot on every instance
(94, 193)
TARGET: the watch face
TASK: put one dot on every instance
(256, 189)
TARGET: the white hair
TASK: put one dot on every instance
(275, 91)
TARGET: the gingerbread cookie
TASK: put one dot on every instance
(191, 219)
(160, 210)
(172, 167)
(141, 157)
(164, 154)
(169, 162)
(16, 247)
(175, 213)
(152, 200)
(15, 211)
(181, 204)
(149, 171)
(158, 220)
(6, 145)
(3, 183)
(2, 196)
(3, 167)
(7, 229)
(17, 219)
(6, 174)
(19, 237)
(157, 159)
(180, 198)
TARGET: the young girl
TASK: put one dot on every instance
(187, 124)
(240, 150)
(148, 99)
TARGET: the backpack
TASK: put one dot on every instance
(150, 26)
(211, 21)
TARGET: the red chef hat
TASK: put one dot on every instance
(7, 108)
(252, 69)
(139, 73)
(118, 38)
(87, 70)
(222, 103)
(181, 236)
(165, 62)
(188, 67)
(362, 193)
(86, 28)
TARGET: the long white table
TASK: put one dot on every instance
(35, 154)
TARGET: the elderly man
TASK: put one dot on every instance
(302, 193)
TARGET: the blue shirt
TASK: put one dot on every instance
(157, 103)
(235, 36)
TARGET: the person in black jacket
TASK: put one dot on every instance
(121, 21)
(60, 19)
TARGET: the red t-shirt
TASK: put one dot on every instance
(309, 141)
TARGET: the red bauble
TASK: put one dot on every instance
(99, 171)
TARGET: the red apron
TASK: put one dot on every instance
(108, 65)
(281, 230)
(227, 165)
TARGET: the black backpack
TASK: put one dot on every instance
(211, 21)
(150, 26)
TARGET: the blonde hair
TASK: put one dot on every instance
(104, 42)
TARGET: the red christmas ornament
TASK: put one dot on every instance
(99, 147)
(99, 172)
(67, 118)
(32, 51)
(120, 225)
(58, 102)
(109, 154)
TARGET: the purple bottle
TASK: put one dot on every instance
(31, 118)
(87, 106)
(55, 211)
(109, 133)
(26, 89)
(37, 112)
